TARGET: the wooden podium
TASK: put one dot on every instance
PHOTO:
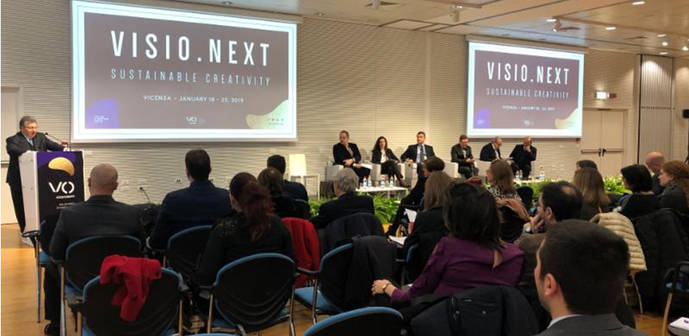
(50, 181)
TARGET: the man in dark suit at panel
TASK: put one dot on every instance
(99, 215)
(491, 151)
(347, 202)
(580, 272)
(27, 139)
(419, 152)
(461, 153)
(347, 154)
(654, 161)
(522, 155)
(295, 190)
(199, 204)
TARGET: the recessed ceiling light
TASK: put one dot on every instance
(637, 3)
(663, 52)
(226, 3)
(610, 28)
(551, 20)
(664, 43)
(320, 14)
(662, 35)
(685, 48)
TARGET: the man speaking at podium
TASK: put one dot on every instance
(27, 139)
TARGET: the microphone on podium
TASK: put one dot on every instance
(51, 137)
(141, 189)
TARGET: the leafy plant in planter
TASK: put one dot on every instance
(385, 208)
(614, 185)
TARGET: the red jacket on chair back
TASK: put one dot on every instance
(305, 246)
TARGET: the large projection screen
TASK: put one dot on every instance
(516, 91)
(152, 74)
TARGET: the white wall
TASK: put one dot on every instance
(372, 81)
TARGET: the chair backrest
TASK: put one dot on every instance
(85, 256)
(305, 246)
(350, 226)
(185, 248)
(333, 272)
(253, 290)
(526, 194)
(303, 208)
(157, 315)
(297, 164)
(380, 321)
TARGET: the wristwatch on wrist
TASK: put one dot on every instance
(385, 286)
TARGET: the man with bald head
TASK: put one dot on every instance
(654, 161)
(522, 155)
(100, 215)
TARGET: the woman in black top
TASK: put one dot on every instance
(283, 205)
(253, 229)
(384, 156)
(348, 155)
(674, 176)
(642, 201)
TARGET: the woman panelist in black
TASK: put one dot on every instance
(348, 155)
(384, 156)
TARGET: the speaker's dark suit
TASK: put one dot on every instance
(16, 146)
(489, 154)
(411, 152)
(522, 160)
(340, 154)
(460, 156)
(100, 215)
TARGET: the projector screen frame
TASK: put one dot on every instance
(144, 135)
(514, 133)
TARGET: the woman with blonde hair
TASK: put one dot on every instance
(590, 183)
(674, 176)
(429, 226)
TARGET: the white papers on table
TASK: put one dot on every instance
(398, 240)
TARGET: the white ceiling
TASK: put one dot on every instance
(636, 27)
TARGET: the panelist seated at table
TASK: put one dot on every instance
(491, 151)
(523, 155)
(418, 152)
(348, 155)
(347, 202)
(388, 161)
(472, 255)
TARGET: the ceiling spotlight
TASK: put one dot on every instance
(457, 6)
(320, 14)
(226, 3)
(663, 52)
(664, 43)
(551, 20)
(610, 28)
(637, 3)
(685, 48)
(557, 26)
(661, 35)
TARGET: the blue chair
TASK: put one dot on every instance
(83, 259)
(334, 265)
(249, 294)
(42, 261)
(185, 248)
(157, 317)
(678, 284)
(379, 321)
(410, 253)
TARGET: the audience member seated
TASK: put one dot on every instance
(471, 256)
(283, 205)
(348, 155)
(415, 197)
(199, 204)
(251, 229)
(461, 153)
(559, 201)
(674, 178)
(429, 226)
(586, 164)
(388, 161)
(513, 214)
(642, 201)
(654, 161)
(99, 215)
(347, 202)
(295, 190)
(418, 152)
(580, 273)
(491, 151)
(590, 184)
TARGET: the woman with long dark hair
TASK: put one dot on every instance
(674, 176)
(384, 156)
(590, 183)
(253, 229)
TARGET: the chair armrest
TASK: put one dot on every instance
(307, 272)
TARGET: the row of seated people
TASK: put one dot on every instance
(250, 229)
(347, 154)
